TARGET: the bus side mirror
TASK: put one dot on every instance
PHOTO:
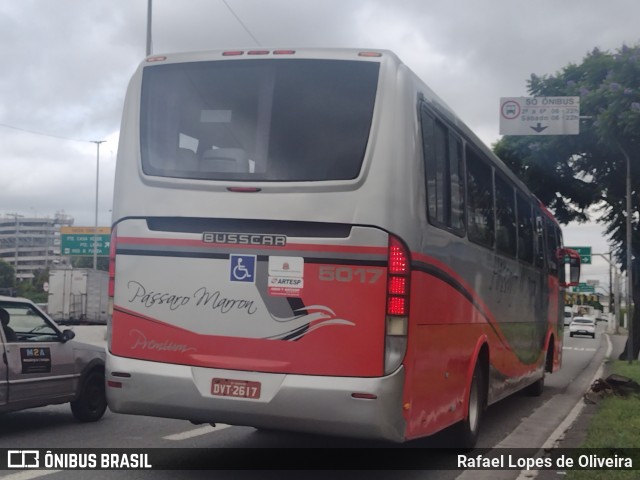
(570, 261)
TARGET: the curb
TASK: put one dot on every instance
(573, 431)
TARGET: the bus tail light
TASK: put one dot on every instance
(112, 263)
(397, 318)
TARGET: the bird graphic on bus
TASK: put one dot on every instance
(305, 323)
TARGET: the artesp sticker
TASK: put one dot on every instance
(286, 276)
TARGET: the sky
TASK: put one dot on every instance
(66, 65)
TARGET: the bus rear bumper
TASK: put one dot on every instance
(304, 403)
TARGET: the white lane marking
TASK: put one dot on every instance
(29, 474)
(196, 432)
(580, 349)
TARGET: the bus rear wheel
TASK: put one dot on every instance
(537, 388)
(469, 428)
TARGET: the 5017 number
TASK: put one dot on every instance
(349, 274)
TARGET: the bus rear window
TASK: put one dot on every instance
(257, 120)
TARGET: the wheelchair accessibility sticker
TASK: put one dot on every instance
(242, 268)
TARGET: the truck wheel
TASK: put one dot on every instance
(469, 428)
(92, 401)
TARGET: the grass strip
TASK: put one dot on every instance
(615, 427)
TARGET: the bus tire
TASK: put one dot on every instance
(536, 388)
(469, 428)
(92, 400)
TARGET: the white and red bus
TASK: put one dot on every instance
(311, 240)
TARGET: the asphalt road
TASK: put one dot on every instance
(516, 422)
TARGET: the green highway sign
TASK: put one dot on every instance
(80, 240)
(585, 255)
(584, 288)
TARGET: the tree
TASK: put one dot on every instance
(572, 173)
(87, 262)
(33, 288)
(7, 279)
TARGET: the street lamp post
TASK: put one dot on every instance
(95, 232)
(149, 26)
(613, 288)
(629, 257)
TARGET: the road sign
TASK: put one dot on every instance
(585, 255)
(540, 116)
(584, 288)
(80, 240)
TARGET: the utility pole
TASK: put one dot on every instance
(613, 289)
(611, 307)
(629, 259)
(95, 232)
(149, 14)
(16, 244)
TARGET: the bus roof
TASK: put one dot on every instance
(261, 52)
(376, 55)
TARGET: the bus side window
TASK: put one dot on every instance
(480, 210)
(442, 151)
(506, 241)
(427, 123)
(552, 248)
(539, 235)
(525, 229)
(562, 273)
(456, 166)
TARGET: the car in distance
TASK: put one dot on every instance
(568, 316)
(43, 365)
(583, 326)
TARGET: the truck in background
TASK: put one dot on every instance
(78, 295)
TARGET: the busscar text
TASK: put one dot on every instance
(245, 239)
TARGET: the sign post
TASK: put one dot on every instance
(540, 116)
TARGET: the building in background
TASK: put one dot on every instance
(30, 244)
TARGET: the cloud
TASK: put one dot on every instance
(66, 65)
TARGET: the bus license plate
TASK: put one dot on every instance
(225, 387)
